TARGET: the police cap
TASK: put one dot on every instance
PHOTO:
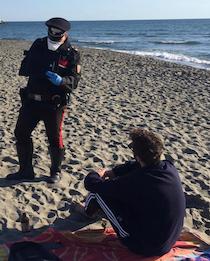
(59, 23)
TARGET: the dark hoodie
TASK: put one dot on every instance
(153, 200)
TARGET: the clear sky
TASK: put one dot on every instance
(41, 10)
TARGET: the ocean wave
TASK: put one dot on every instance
(96, 42)
(171, 57)
(186, 42)
(114, 33)
(12, 38)
(136, 34)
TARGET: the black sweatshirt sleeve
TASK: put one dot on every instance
(114, 187)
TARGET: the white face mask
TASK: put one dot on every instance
(52, 45)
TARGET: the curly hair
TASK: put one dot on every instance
(147, 145)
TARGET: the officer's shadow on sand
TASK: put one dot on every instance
(8, 183)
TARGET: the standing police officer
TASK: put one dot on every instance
(53, 67)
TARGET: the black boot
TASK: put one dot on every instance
(24, 153)
(56, 155)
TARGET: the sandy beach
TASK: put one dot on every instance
(117, 91)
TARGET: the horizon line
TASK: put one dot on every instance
(102, 20)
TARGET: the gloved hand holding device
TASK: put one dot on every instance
(54, 78)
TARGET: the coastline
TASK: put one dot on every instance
(187, 43)
(179, 59)
(117, 91)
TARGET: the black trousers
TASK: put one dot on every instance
(112, 211)
(117, 216)
(29, 116)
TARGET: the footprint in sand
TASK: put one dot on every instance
(52, 215)
(190, 151)
(35, 207)
(74, 192)
(195, 201)
(9, 159)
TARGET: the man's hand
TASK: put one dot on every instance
(54, 78)
(104, 173)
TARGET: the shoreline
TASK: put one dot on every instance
(157, 55)
(117, 91)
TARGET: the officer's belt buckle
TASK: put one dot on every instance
(37, 97)
(56, 96)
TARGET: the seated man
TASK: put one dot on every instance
(142, 199)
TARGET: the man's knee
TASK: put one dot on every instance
(91, 205)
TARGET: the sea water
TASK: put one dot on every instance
(183, 41)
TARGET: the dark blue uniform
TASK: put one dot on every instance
(146, 206)
(39, 60)
(42, 100)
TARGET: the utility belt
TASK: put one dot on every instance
(57, 100)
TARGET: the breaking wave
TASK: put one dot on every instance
(179, 58)
(177, 42)
(97, 42)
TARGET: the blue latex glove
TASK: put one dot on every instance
(54, 78)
